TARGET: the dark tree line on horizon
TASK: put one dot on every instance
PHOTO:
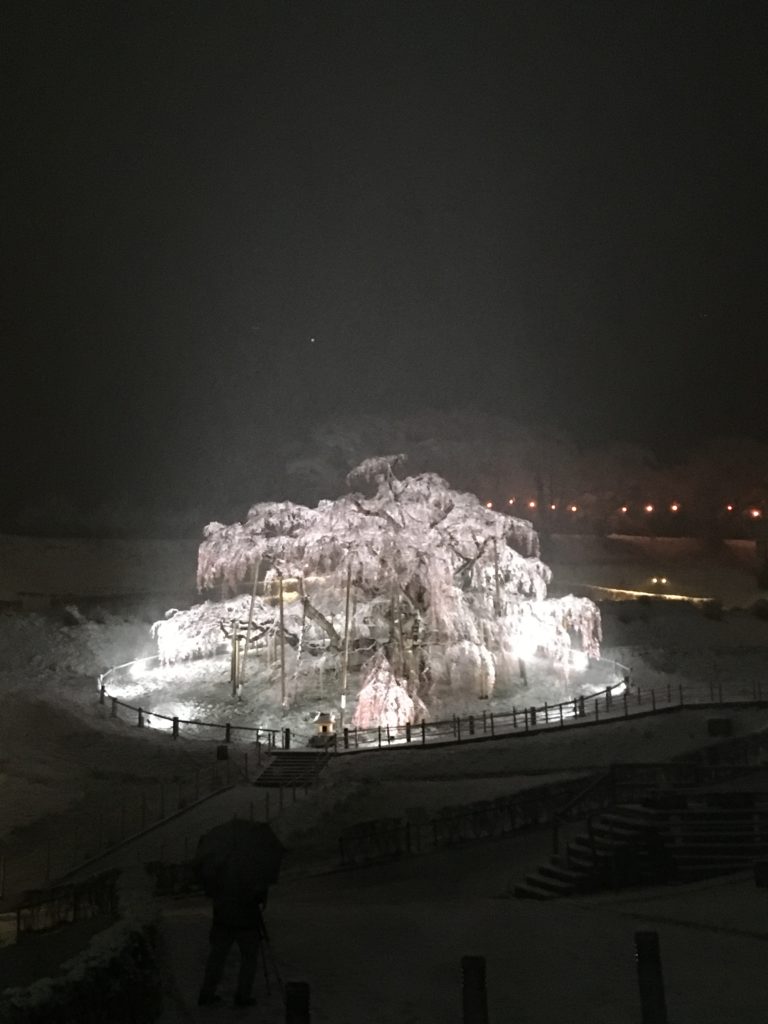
(603, 487)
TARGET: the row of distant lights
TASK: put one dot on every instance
(754, 513)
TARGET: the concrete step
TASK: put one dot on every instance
(553, 885)
(532, 891)
(564, 874)
(289, 768)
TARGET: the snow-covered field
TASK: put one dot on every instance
(62, 759)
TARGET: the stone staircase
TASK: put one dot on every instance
(670, 838)
(293, 768)
(625, 839)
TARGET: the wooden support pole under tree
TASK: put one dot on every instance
(345, 653)
(254, 584)
(283, 699)
(235, 661)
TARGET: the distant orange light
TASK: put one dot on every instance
(674, 507)
(729, 508)
(573, 508)
(489, 504)
(531, 504)
(755, 513)
(511, 501)
(649, 508)
(624, 508)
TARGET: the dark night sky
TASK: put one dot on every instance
(550, 210)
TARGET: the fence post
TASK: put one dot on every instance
(597, 709)
(560, 709)
(525, 716)
(227, 733)
(458, 730)
(113, 711)
(474, 998)
(639, 696)
(532, 715)
(626, 704)
(140, 721)
(680, 688)
(175, 727)
(346, 737)
(582, 709)
(608, 698)
(423, 732)
(669, 693)
(653, 1006)
(485, 723)
(471, 721)
(297, 1002)
(286, 739)
(514, 717)
(102, 693)
(407, 732)
(546, 714)
(378, 735)
(653, 700)
(493, 727)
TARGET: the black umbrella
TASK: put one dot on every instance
(239, 855)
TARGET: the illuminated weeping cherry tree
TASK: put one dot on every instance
(441, 595)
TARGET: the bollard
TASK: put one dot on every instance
(474, 998)
(608, 698)
(175, 727)
(140, 721)
(653, 1007)
(407, 732)
(346, 738)
(297, 1002)
(102, 693)
(227, 733)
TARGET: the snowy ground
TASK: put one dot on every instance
(399, 930)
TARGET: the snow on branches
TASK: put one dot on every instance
(450, 592)
(383, 700)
